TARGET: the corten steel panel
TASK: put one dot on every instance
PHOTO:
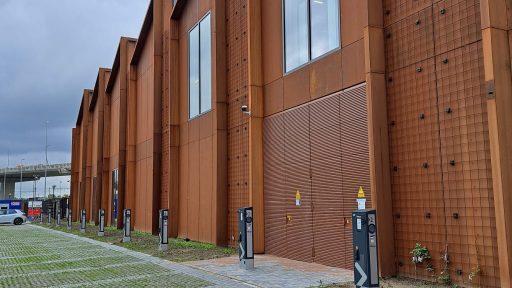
(272, 43)
(320, 149)
(395, 10)
(414, 140)
(325, 76)
(327, 186)
(193, 190)
(297, 162)
(183, 194)
(236, 96)
(296, 88)
(456, 23)
(205, 190)
(274, 184)
(409, 40)
(355, 162)
(273, 97)
(354, 17)
(353, 64)
(467, 181)
(144, 137)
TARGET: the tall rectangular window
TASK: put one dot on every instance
(200, 68)
(311, 29)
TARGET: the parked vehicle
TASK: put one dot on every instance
(12, 216)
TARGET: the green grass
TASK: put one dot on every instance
(31, 257)
(179, 250)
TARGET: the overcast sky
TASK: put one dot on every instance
(50, 51)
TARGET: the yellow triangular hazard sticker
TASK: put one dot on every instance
(297, 195)
(360, 193)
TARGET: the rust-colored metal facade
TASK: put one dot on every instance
(439, 138)
(237, 123)
(426, 67)
(320, 150)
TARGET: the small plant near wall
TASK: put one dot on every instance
(474, 273)
(420, 254)
(444, 277)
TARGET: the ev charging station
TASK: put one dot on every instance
(82, 220)
(126, 225)
(246, 238)
(364, 233)
(69, 219)
(163, 229)
(101, 217)
(50, 216)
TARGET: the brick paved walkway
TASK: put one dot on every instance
(31, 256)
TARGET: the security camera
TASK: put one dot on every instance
(245, 110)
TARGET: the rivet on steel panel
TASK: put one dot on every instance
(445, 61)
(452, 162)
(448, 110)
(390, 79)
(455, 215)
(388, 11)
(417, 22)
(428, 215)
(425, 165)
(422, 116)
(393, 123)
(419, 69)
(443, 11)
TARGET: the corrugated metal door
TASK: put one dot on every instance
(297, 163)
(328, 217)
(321, 150)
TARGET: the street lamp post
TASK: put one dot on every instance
(5, 175)
(46, 155)
(35, 187)
(21, 175)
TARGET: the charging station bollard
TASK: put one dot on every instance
(163, 230)
(58, 216)
(42, 217)
(127, 237)
(49, 216)
(101, 217)
(364, 231)
(246, 238)
(69, 219)
(82, 220)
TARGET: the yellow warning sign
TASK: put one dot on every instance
(297, 198)
(360, 193)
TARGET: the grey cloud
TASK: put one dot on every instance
(50, 51)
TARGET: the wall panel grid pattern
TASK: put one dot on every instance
(439, 143)
(321, 150)
(238, 128)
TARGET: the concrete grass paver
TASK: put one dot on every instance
(31, 256)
